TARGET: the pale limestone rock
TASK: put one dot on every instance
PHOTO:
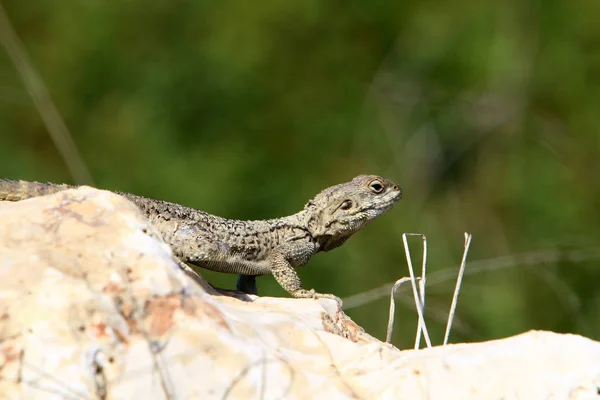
(92, 306)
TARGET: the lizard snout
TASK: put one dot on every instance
(396, 188)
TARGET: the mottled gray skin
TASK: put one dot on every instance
(251, 248)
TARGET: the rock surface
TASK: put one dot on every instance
(93, 306)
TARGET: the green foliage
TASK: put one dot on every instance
(485, 113)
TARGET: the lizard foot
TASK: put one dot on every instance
(311, 294)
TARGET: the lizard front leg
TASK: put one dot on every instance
(288, 278)
(247, 284)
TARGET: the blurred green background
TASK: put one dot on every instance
(486, 113)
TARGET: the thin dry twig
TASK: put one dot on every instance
(422, 289)
(461, 271)
(418, 302)
(39, 93)
(390, 327)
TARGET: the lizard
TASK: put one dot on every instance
(252, 248)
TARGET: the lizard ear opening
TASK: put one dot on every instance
(346, 205)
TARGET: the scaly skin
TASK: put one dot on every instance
(251, 248)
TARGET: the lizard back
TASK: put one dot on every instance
(195, 236)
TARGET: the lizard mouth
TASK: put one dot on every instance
(390, 199)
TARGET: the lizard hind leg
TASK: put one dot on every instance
(190, 243)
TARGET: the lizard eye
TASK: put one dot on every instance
(376, 186)
(346, 205)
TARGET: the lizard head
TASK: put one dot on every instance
(342, 210)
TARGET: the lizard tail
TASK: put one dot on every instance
(20, 190)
